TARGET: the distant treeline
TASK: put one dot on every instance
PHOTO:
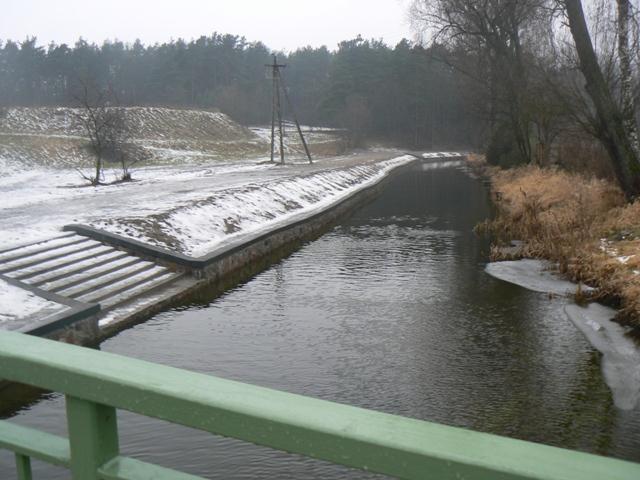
(400, 93)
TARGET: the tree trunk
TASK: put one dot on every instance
(614, 136)
(98, 169)
(626, 76)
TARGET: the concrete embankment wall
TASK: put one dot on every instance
(234, 263)
(208, 275)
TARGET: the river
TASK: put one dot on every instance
(390, 310)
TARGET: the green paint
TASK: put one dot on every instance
(93, 437)
(34, 443)
(122, 468)
(23, 467)
(364, 439)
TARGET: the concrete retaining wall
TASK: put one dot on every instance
(216, 272)
(76, 324)
(249, 249)
(212, 273)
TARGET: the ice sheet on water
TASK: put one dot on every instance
(536, 275)
(620, 355)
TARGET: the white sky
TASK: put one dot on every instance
(280, 24)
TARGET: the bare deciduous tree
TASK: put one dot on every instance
(609, 117)
(497, 32)
(628, 100)
(118, 146)
(107, 129)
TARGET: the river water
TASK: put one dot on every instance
(390, 310)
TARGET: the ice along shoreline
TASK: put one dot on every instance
(620, 361)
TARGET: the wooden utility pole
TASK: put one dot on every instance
(276, 111)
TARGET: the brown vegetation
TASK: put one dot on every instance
(582, 223)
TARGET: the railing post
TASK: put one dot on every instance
(23, 467)
(93, 437)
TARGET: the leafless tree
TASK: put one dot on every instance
(107, 129)
(498, 33)
(609, 118)
(628, 99)
(533, 59)
(118, 146)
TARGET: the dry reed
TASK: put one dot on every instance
(581, 223)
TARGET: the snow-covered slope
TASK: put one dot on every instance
(200, 227)
(17, 304)
(145, 123)
(54, 137)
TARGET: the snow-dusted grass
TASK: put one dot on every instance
(198, 228)
(54, 137)
(145, 122)
(36, 201)
(17, 304)
(208, 182)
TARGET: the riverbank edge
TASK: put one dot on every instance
(213, 274)
(239, 262)
(573, 268)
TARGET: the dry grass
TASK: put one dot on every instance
(581, 223)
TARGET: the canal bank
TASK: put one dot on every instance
(137, 278)
(237, 260)
(89, 324)
(390, 310)
(581, 223)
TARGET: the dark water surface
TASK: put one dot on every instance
(391, 310)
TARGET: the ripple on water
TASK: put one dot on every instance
(392, 310)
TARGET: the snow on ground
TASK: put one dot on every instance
(54, 137)
(17, 304)
(207, 181)
(314, 137)
(36, 201)
(198, 228)
(145, 122)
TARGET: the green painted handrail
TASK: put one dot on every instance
(97, 383)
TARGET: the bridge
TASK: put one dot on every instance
(96, 384)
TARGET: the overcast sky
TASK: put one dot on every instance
(280, 24)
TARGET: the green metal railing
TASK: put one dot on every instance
(97, 383)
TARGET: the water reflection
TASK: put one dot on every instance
(391, 310)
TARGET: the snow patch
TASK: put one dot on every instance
(199, 228)
(17, 304)
(624, 258)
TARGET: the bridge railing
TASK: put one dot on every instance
(96, 384)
